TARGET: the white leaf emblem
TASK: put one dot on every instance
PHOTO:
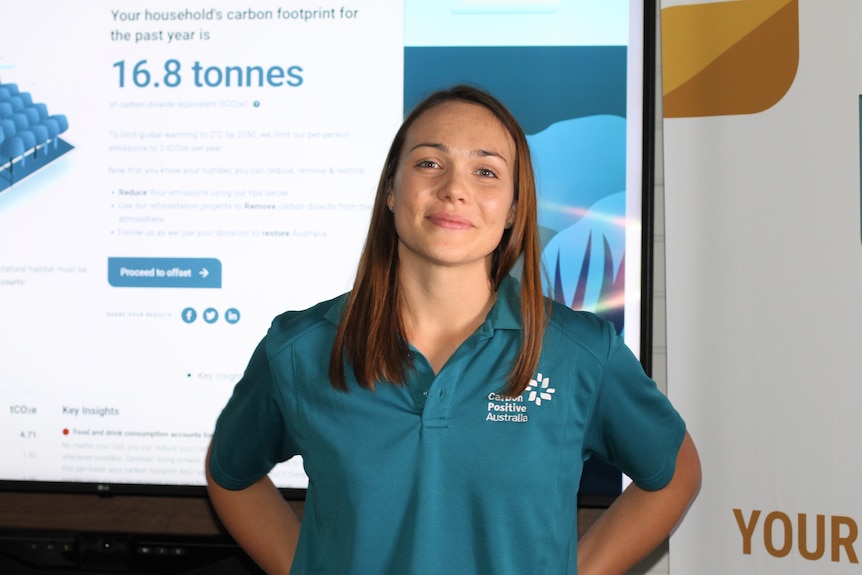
(539, 390)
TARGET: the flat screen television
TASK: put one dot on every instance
(174, 176)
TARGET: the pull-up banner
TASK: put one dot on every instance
(764, 280)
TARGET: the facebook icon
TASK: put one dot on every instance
(189, 315)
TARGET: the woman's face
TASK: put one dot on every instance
(453, 191)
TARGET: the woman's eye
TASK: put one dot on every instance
(427, 164)
(486, 173)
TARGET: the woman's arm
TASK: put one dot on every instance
(260, 520)
(639, 520)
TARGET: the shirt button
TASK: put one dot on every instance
(425, 393)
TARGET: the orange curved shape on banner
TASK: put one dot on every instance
(727, 58)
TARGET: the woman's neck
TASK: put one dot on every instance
(442, 306)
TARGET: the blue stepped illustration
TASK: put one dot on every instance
(29, 135)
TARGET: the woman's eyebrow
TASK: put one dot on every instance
(444, 148)
(436, 146)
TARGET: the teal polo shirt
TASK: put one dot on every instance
(444, 474)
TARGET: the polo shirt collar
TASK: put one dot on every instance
(506, 313)
(336, 310)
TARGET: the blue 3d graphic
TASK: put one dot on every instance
(29, 135)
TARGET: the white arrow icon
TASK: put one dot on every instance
(204, 272)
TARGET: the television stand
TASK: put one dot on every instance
(60, 553)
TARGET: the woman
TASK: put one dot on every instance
(443, 410)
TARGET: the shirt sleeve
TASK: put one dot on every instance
(633, 425)
(250, 436)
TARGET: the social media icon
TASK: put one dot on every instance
(210, 315)
(231, 315)
(189, 315)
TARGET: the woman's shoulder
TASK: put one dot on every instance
(300, 325)
(584, 329)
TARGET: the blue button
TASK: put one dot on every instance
(189, 315)
(164, 272)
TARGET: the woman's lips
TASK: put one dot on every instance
(450, 221)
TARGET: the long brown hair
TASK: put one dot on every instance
(371, 334)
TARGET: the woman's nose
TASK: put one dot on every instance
(453, 188)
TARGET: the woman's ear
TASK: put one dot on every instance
(510, 220)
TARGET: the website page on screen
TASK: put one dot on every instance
(174, 175)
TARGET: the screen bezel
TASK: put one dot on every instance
(596, 499)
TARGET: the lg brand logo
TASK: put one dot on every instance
(811, 535)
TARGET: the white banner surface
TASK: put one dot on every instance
(764, 280)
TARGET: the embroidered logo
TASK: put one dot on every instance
(514, 409)
(503, 408)
(539, 390)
